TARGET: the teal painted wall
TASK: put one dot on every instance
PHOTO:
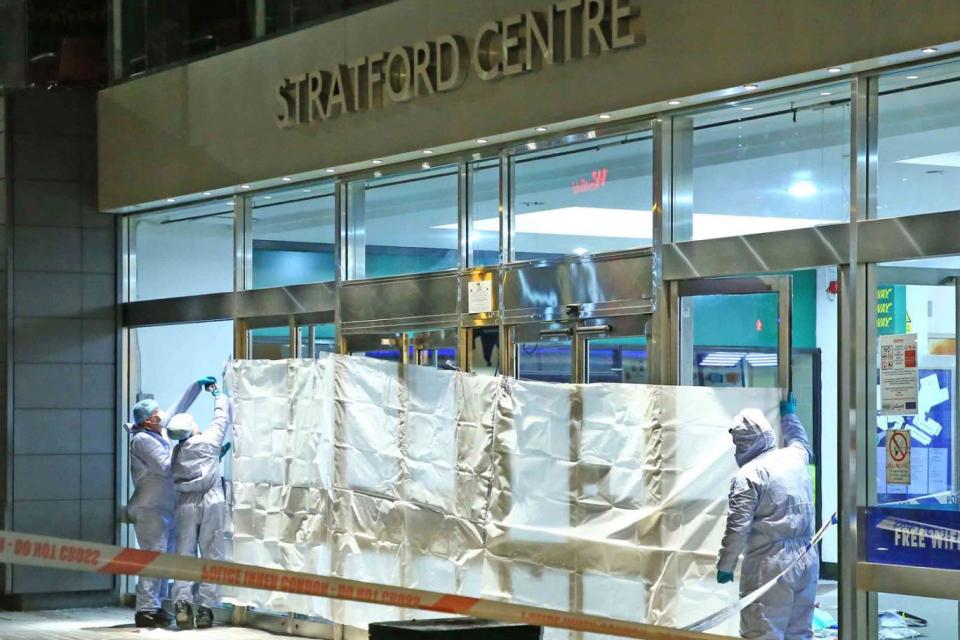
(731, 321)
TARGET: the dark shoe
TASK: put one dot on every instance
(184, 614)
(163, 618)
(204, 617)
(145, 619)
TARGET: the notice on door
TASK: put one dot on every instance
(898, 456)
(898, 375)
(480, 296)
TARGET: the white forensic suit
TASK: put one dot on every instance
(771, 521)
(201, 505)
(152, 508)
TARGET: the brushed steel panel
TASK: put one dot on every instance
(414, 300)
(757, 253)
(914, 581)
(930, 234)
(611, 284)
(254, 303)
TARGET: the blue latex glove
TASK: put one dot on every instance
(224, 449)
(723, 577)
(206, 381)
(789, 406)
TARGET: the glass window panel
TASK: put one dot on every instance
(270, 343)
(323, 338)
(769, 165)
(926, 617)
(404, 224)
(545, 360)
(294, 233)
(483, 204)
(621, 360)
(585, 198)
(183, 252)
(918, 141)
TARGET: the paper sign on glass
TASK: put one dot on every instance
(898, 374)
(480, 296)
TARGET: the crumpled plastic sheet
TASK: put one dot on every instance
(606, 499)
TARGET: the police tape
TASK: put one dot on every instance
(733, 609)
(60, 553)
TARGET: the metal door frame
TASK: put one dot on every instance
(680, 289)
(419, 338)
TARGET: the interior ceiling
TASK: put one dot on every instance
(786, 160)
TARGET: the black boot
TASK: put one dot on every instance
(184, 614)
(163, 618)
(145, 619)
(204, 617)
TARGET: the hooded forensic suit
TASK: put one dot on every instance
(771, 521)
(152, 508)
(201, 505)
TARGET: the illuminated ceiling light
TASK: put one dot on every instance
(913, 77)
(171, 199)
(928, 50)
(481, 141)
(377, 161)
(207, 193)
(948, 159)
(428, 151)
(540, 129)
(331, 170)
(286, 178)
(604, 116)
(307, 190)
(673, 102)
(751, 87)
(598, 222)
(425, 165)
(531, 146)
(825, 93)
(746, 108)
(579, 251)
(834, 70)
(268, 197)
(377, 174)
(591, 134)
(244, 186)
(802, 189)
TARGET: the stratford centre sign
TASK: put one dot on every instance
(567, 30)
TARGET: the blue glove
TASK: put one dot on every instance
(206, 381)
(723, 577)
(225, 448)
(788, 406)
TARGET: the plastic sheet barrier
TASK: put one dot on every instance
(600, 499)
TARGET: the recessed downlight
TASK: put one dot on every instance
(751, 87)
(604, 116)
(928, 50)
(913, 77)
(825, 93)
(286, 178)
(171, 199)
(425, 165)
(746, 108)
(673, 102)
(244, 186)
(427, 151)
(481, 141)
(834, 70)
(331, 170)
(540, 129)
(207, 193)
(377, 161)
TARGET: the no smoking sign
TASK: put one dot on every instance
(898, 456)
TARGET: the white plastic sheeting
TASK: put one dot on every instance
(607, 499)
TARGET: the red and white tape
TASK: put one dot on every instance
(60, 553)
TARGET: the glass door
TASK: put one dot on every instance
(592, 350)
(430, 348)
(732, 332)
